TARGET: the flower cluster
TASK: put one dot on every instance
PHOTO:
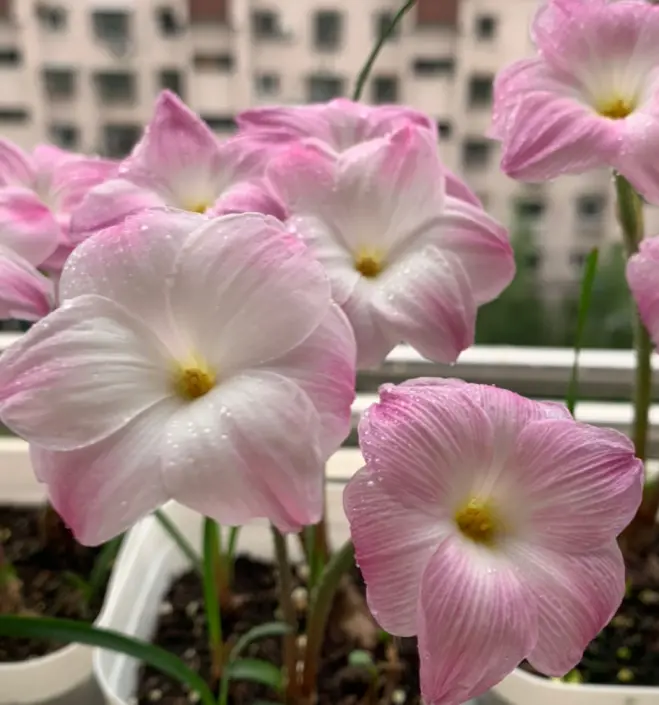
(203, 306)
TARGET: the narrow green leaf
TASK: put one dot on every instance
(211, 559)
(68, 631)
(177, 537)
(76, 582)
(585, 298)
(256, 671)
(234, 532)
(262, 631)
(103, 566)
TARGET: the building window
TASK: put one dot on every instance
(591, 206)
(64, 136)
(486, 26)
(265, 24)
(529, 209)
(60, 84)
(385, 89)
(220, 123)
(168, 22)
(207, 61)
(480, 91)
(445, 129)
(9, 57)
(171, 80)
(324, 88)
(383, 21)
(267, 84)
(434, 67)
(327, 29)
(51, 17)
(111, 26)
(119, 140)
(116, 87)
(13, 115)
(476, 153)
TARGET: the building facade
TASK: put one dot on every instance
(84, 74)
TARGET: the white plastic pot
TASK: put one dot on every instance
(64, 677)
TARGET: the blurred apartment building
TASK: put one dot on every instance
(84, 74)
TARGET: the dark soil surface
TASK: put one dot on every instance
(46, 559)
(182, 631)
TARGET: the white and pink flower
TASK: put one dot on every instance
(408, 248)
(486, 524)
(643, 280)
(180, 163)
(589, 99)
(192, 358)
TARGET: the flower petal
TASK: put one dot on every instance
(26, 225)
(249, 197)
(393, 545)
(477, 621)
(324, 367)
(73, 178)
(25, 293)
(81, 374)
(575, 598)
(248, 449)
(102, 490)
(246, 292)
(580, 485)
(109, 204)
(643, 280)
(16, 167)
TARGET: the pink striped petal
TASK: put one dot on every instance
(74, 178)
(457, 188)
(393, 546)
(589, 589)
(25, 293)
(248, 449)
(477, 621)
(249, 197)
(26, 225)
(643, 280)
(16, 167)
(102, 490)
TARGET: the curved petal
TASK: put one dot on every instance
(81, 374)
(393, 545)
(427, 301)
(26, 225)
(102, 490)
(16, 167)
(643, 280)
(324, 367)
(580, 485)
(457, 188)
(109, 204)
(249, 197)
(73, 179)
(25, 293)
(246, 292)
(477, 621)
(248, 449)
(575, 598)
(635, 162)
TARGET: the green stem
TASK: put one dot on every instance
(212, 603)
(368, 66)
(177, 537)
(321, 604)
(286, 601)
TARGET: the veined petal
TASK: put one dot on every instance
(477, 621)
(457, 188)
(268, 294)
(575, 598)
(393, 545)
(249, 197)
(102, 490)
(248, 449)
(26, 226)
(25, 293)
(74, 177)
(16, 167)
(81, 374)
(580, 485)
(643, 280)
(109, 204)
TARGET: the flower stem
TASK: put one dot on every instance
(286, 601)
(212, 603)
(368, 66)
(321, 604)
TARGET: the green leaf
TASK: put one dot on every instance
(177, 537)
(78, 583)
(211, 567)
(262, 631)
(103, 566)
(361, 659)
(68, 631)
(256, 671)
(590, 270)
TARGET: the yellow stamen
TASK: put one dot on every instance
(197, 207)
(369, 263)
(193, 382)
(616, 109)
(478, 522)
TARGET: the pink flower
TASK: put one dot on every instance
(591, 97)
(335, 126)
(643, 280)
(485, 524)
(192, 358)
(408, 249)
(179, 163)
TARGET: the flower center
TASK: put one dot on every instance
(616, 109)
(369, 263)
(197, 207)
(478, 522)
(193, 382)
